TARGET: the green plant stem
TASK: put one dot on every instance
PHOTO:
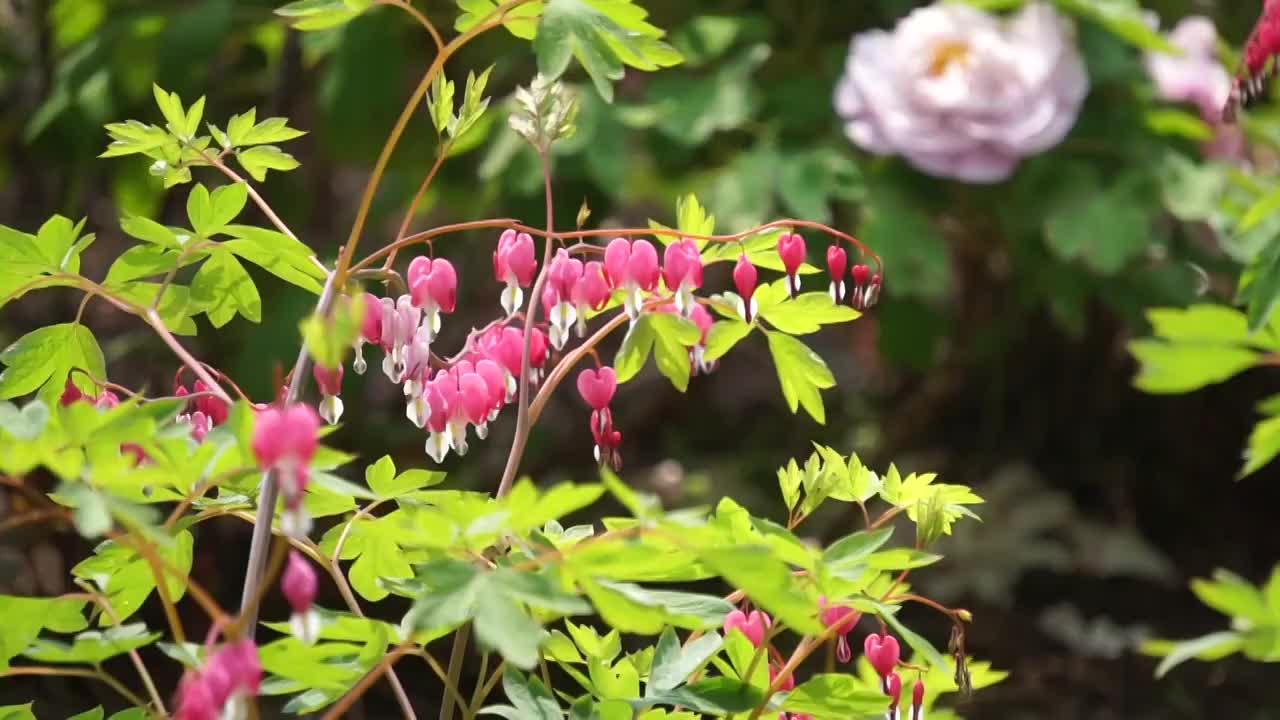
(422, 19)
(134, 657)
(627, 232)
(269, 488)
(111, 682)
(493, 19)
(340, 708)
(450, 686)
(417, 200)
(456, 656)
(482, 693)
(523, 426)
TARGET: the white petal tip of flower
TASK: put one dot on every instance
(295, 523)
(438, 444)
(331, 409)
(305, 626)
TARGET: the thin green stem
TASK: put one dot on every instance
(111, 682)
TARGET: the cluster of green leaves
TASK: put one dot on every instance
(177, 147)
(1255, 623)
(1205, 344)
(604, 36)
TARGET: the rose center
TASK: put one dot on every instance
(945, 53)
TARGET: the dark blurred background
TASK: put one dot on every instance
(986, 361)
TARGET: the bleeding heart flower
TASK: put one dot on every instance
(893, 688)
(329, 380)
(632, 266)
(882, 651)
(682, 271)
(753, 626)
(837, 261)
(514, 264)
(837, 615)
(370, 330)
(212, 406)
(917, 700)
(284, 440)
(792, 251)
(744, 278)
(697, 353)
(299, 582)
(71, 393)
(597, 386)
(433, 286)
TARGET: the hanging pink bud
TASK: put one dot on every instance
(893, 688)
(538, 350)
(195, 701)
(495, 382)
(787, 685)
(443, 285)
(882, 651)
(592, 290)
(838, 616)
(371, 323)
(284, 439)
(513, 261)
(682, 265)
(616, 256)
(860, 274)
(791, 250)
(299, 582)
(107, 399)
(564, 274)
(917, 700)
(329, 380)
(598, 386)
(643, 265)
(473, 392)
(212, 406)
(744, 279)
(837, 262)
(70, 393)
(700, 317)
(861, 289)
(754, 626)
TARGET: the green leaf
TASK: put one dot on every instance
(635, 348)
(474, 103)
(92, 646)
(153, 232)
(900, 559)
(222, 287)
(673, 336)
(278, 254)
(1264, 445)
(383, 480)
(1105, 229)
(768, 582)
(1122, 18)
(329, 338)
(96, 713)
(673, 664)
(574, 28)
(259, 159)
(1178, 368)
(449, 599)
(801, 373)
(530, 699)
(1234, 596)
(128, 578)
(322, 14)
(440, 102)
(648, 610)
(210, 213)
(505, 626)
(25, 617)
(271, 130)
(807, 313)
(521, 21)
(46, 356)
(182, 123)
(834, 697)
(1213, 646)
(853, 549)
(714, 696)
(690, 109)
(17, 712)
(325, 665)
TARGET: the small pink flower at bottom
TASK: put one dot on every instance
(329, 380)
(833, 615)
(893, 688)
(917, 700)
(299, 587)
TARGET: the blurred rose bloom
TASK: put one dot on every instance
(1197, 77)
(961, 93)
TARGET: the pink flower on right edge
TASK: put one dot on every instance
(961, 93)
(1199, 78)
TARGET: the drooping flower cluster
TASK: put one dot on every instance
(284, 440)
(209, 410)
(882, 651)
(961, 93)
(219, 690)
(597, 388)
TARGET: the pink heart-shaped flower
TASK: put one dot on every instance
(882, 651)
(597, 386)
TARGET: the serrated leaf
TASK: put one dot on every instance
(259, 159)
(222, 287)
(47, 355)
(320, 14)
(801, 373)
